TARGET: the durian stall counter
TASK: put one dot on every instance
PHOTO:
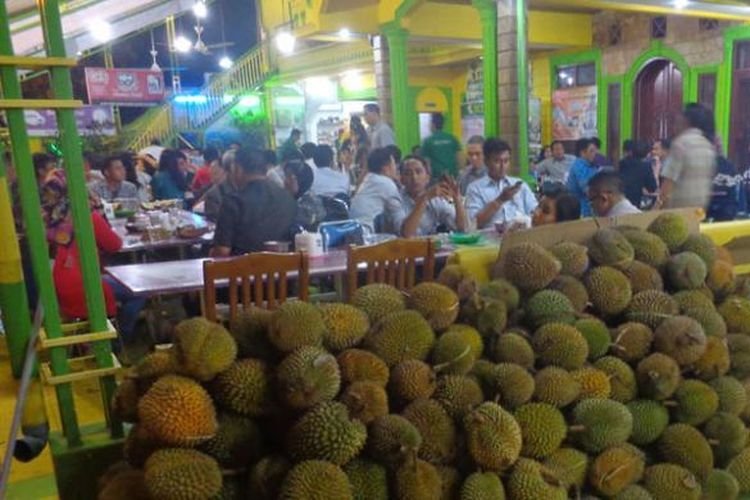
(614, 364)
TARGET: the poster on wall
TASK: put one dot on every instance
(472, 105)
(574, 113)
(91, 120)
(124, 87)
(535, 124)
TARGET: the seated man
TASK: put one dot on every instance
(607, 197)
(327, 181)
(378, 193)
(475, 169)
(428, 209)
(222, 181)
(498, 197)
(257, 212)
(114, 184)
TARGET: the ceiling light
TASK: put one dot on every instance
(225, 62)
(101, 30)
(285, 42)
(345, 34)
(681, 4)
(182, 44)
(200, 10)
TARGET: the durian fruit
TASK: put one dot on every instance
(715, 361)
(123, 484)
(624, 387)
(455, 277)
(739, 467)
(692, 299)
(651, 308)
(732, 395)
(490, 317)
(482, 486)
(266, 475)
(437, 303)
(616, 468)
(250, 331)
(392, 439)
(574, 258)
(609, 247)
(721, 279)
(417, 480)
(667, 481)
(720, 485)
(437, 429)
(560, 345)
(694, 402)
(530, 480)
(736, 313)
(573, 289)
(609, 290)
(569, 466)
(400, 336)
(513, 348)
(326, 433)
(307, 377)
(556, 386)
(450, 482)
(237, 442)
(528, 266)
(597, 336)
(634, 492)
(412, 379)
(672, 229)
(648, 247)
(180, 473)
(594, 383)
(483, 372)
(680, 338)
(549, 306)
(658, 376)
(178, 411)
(458, 394)
(316, 480)
(632, 341)
(643, 277)
(296, 324)
(245, 388)
(702, 246)
(365, 401)
(711, 321)
(493, 437)
(684, 445)
(378, 300)
(727, 435)
(155, 364)
(739, 354)
(369, 480)
(358, 365)
(457, 349)
(650, 419)
(345, 326)
(543, 429)
(203, 348)
(514, 385)
(686, 271)
(139, 445)
(601, 423)
(502, 290)
(125, 400)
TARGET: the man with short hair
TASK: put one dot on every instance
(259, 211)
(379, 133)
(554, 170)
(327, 181)
(202, 179)
(378, 193)
(605, 193)
(441, 149)
(497, 197)
(114, 184)
(475, 169)
(222, 186)
(582, 170)
(291, 146)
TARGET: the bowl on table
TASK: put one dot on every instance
(465, 238)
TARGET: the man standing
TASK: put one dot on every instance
(554, 170)
(607, 197)
(582, 170)
(379, 134)
(476, 169)
(441, 149)
(114, 184)
(498, 197)
(291, 146)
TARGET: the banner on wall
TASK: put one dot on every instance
(91, 120)
(574, 113)
(472, 105)
(124, 87)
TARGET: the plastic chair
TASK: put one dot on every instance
(248, 274)
(339, 233)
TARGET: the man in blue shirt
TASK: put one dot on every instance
(497, 197)
(582, 170)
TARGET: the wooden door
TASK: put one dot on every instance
(658, 100)
(739, 140)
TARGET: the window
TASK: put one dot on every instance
(580, 75)
(705, 24)
(742, 58)
(707, 90)
(659, 27)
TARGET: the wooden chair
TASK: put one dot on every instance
(261, 278)
(392, 262)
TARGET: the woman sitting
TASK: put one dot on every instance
(554, 207)
(171, 182)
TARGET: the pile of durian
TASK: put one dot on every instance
(616, 369)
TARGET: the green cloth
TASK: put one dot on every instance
(441, 149)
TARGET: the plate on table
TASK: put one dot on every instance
(465, 238)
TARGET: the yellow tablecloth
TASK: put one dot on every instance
(477, 260)
(724, 232)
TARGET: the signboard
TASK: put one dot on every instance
(472, 106)
(91, 120)
(125, 87)
(574, 113)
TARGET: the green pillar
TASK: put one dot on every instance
(488, 15)
(522, 60)
(399, 67)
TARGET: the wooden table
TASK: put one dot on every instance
(133, 243)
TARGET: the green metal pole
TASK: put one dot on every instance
(13, 299)
(488, 15)
(62, 88)
(32, 215)
(399, 65)
(523, 89)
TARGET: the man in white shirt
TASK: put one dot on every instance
(554, 170)
(379, 133)
(378, 193)
(328, 182)
(475, 169)
(114, 185)
(607, 197)
(498, 197)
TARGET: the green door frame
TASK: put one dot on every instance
(725, 80)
